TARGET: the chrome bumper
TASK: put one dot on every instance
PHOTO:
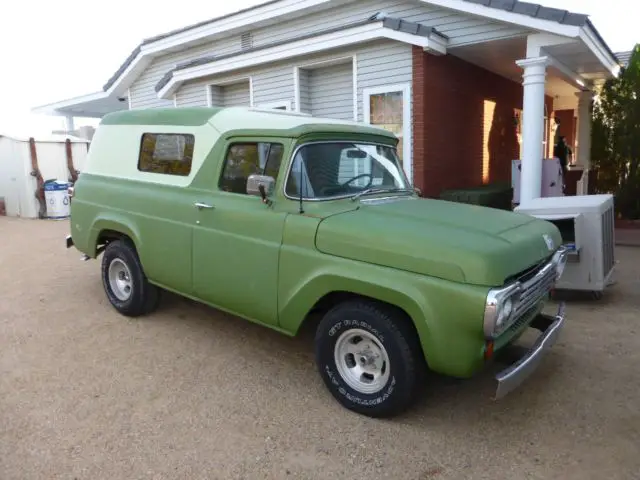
(510, 378)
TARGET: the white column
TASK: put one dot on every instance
(583, 135)
(535, 73)
(68, 122)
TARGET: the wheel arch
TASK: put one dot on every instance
(317, 296)
(108, 228)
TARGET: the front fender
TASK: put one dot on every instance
(301, 300)
(446, 315)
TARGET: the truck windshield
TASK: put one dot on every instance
(343, 169)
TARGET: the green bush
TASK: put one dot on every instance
(497, 195)
(615, 142)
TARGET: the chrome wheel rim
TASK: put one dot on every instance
(120, 279)
(362, 361)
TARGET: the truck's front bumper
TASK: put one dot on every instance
(510, 378)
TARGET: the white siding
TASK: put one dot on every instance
(390, 63)
(461, 29)
(273, 84)
(379, 63)
(236, 95)
(331, 91)
(195, 95)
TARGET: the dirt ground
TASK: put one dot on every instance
(190, 393)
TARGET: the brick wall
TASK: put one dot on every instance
(464, 131)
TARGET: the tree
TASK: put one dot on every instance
(615, 150)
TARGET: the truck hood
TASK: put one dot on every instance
(452, 241)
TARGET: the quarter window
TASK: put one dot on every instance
(245, 159)
(168, 153)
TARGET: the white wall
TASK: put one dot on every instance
(17, 186)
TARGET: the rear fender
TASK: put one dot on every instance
(115, 223)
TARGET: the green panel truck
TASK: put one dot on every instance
(284, 219)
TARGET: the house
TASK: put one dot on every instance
(466, 85)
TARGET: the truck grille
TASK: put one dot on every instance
(608, 244)
(535, 288)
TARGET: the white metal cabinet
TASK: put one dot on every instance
(587, 226)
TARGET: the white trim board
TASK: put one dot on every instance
(223, 82)
(355, 88)
(275, 105)
(353, 59)
(407, 143)
(342, 38)
(296, 88)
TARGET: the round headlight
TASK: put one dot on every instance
(499, 309)
(504, 314)
(508, 308)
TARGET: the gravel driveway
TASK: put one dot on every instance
(190, 393)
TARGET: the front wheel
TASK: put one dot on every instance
(124, 281)
(369, 358)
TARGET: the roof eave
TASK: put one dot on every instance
(427, 38)
(152, 47)
(596, 44)
(555, 21)
(56, 107)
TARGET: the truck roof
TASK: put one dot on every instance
(226, 119)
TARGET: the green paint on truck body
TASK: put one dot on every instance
(271, 264)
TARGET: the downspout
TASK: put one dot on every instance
(35, 172)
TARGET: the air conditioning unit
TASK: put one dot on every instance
(586, 223)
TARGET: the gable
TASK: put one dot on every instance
(459, 28)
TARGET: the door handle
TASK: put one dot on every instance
(200, 205)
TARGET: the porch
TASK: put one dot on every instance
(484, 105)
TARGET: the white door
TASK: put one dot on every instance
(389, 107)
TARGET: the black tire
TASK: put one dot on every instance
(144, 296)
(388, 329)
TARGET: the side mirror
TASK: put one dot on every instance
(260, 186)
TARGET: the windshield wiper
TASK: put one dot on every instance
(367, 191)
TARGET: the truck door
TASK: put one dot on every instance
(237, 237)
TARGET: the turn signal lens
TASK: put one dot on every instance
(488, 350)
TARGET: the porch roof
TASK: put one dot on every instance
(92, 105)
(541, 12)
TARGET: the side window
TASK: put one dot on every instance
(245, 159)
(168, 153)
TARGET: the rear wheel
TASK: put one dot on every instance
(124, 281)
(369, 358)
